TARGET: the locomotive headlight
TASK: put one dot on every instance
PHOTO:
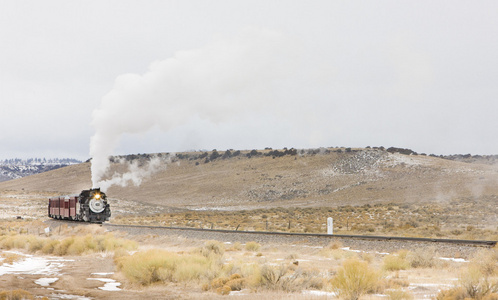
(97, 196)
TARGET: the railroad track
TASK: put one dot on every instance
(474, 243)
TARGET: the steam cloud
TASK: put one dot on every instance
(219, 81)
(137, 171)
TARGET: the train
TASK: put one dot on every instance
(89, 206)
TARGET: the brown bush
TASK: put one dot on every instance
(354, 279)
(422, 257)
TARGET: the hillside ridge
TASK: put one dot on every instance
(279, 178)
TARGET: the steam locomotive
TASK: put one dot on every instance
(89, 206)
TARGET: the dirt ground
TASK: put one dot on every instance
(85, 277)
(95, 276)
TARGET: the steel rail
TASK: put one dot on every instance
(480, 243)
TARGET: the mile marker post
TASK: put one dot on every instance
(330, 225)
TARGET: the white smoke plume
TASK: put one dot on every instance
(137, 172)
(221, 80)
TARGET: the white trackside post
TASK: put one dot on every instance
(330, 225)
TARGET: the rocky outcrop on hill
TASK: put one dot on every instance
(360, 161)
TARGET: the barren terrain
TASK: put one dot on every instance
(367, 191)
(322, 177)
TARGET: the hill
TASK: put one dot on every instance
(270, 178)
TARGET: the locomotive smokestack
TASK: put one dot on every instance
(219, 81)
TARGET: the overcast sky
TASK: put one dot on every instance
(415, 74)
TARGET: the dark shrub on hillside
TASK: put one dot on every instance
(291, 151)
(182, 156)
(253, 153)
(227, 154)
(214, 155)
(401, 151)
(275, 153)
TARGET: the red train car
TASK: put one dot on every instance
(63, 207)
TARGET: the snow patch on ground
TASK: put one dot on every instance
(453, 259)
(65, 296)
(34, 265)
(240, 293)
(351, 250)
(319, 293)
(110, 284)
(428, 285)
(103, 274)
(46, 281)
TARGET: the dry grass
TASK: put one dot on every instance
(476, 281)
(10, 258)
(218, 268)
(288, 278)
(237, 246)
(423, 258)
(16, 295)
(156, 265)
(337, 254)
(206, 267)
(397, 261)
(73, 245)
(399, 294)
(379, 219)
(486, 260)
(253, 246)
(354, 279)
(213, 248)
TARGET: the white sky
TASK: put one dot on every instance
(415, 74)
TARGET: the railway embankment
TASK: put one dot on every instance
(381, 245)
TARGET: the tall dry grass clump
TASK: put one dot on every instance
(156, 265)
(10, 258)
(354, 279)
(397, 261)
(17, 295)
(224, 285)
(73, 245)
(477, 280)
(422, 258)
(274, 277)
(213, 248)
(253, 246)
(399, 294)
(206, 266)
(487, 261)
(287, 278)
